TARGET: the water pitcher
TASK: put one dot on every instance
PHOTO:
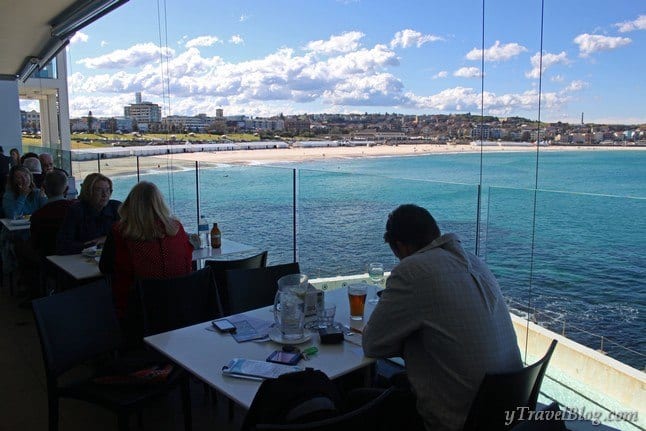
(289, 305)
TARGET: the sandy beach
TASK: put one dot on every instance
(128, 166)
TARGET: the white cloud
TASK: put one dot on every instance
(497, 52)
(591, 43)
(279, 82)
(576, 85)
(136, 56)
(351, 78)
(407, 38)
(467, 72)
(104, 43)
(243, 18)
(636, 24)
(441, 74)
(464, 99)
(381, 89)
(345, 42)
(557, 78)
(236, 39)
(203, 41)
(548, 61)
(79, 36)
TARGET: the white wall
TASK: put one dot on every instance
(10, 131)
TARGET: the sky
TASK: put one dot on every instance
(263, 58)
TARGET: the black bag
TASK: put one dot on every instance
(300, 397)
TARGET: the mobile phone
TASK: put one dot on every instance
(223, 325)
(286, 358)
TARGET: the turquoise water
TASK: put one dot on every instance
(572, 258)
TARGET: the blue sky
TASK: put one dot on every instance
(262, 58)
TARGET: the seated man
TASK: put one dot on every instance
(442, 311)
(46, 222)
(46, 163)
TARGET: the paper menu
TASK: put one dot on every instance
(249, 368)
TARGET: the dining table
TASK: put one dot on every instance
(85, 267)
(203, 351)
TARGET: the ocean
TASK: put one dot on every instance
(570, 254)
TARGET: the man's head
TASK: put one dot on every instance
(46, 162)
(55, 184)
(410, 228)
(33, 164)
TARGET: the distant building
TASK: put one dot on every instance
(146, 114)
(259, 124)
(485, 131)
(30, 120)
(180, 123)
(297, 124)
(219, 113)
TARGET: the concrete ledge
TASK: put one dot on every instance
(616, 381)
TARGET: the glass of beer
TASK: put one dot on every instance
(357, 296)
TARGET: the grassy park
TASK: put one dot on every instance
(94, 140)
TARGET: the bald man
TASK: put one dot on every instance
(46, 163)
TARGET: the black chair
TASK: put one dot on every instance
(553, 422)
(367, 417)
(248, 289)
(177, 302)
(80, 326)
(500, 393)
(219, 268)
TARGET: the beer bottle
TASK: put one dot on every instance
(216, 236)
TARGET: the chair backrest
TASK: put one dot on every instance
(298, 397)
(220, 267)
(75, 326)
(248, 289)
(366, 417)
(503, 392)
(177, 302)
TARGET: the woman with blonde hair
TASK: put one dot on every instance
(89, 220)
(148, 242)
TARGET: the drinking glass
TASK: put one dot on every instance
(357, 298)
(325, 315)
(376, 274)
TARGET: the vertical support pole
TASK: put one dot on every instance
(478, 215)
(98, 162)
(197, 189)
(138, 169)
(294, 212)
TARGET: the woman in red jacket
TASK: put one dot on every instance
(146, 243)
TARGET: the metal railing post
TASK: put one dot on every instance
(137, 169)
(294, 212)
(98, 162)
(197, 189)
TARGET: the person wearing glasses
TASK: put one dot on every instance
(89, 220)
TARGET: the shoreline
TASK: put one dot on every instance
(126, 166)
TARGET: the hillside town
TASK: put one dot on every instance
(391, 128)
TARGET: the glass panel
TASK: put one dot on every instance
(252, 205)
(342, 217)
(584, 260)
(176, 180)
